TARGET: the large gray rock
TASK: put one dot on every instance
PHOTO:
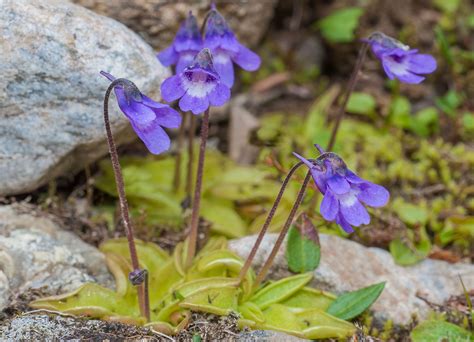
(51, 93)
(347, 266)
(158, 20)
(35, 253)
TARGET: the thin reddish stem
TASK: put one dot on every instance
(271, 214)
(193, 234)
(349, 90)
(281, 237)
(189, 172)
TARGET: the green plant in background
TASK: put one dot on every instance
(339, 26)
(211, 285)
(232, 195)
(437, 330)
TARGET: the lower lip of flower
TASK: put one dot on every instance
(199, 85)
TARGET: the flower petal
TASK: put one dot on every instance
(344, 224)
(373, 195)
(410, 78)
(185, 60)
(353, 211)
(225, 68)
(353, 178)
(329, 206)
(167, 117)
(399, 69)
(197, 105)
(168, 56)
(421, 64)
(154, 137)
(172, 88)
(219, 95)
(125, 106)
(247, 59)
(152, 103)
(338, 184)
(140, 114)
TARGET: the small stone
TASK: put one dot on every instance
(347, 266)
(37, 254)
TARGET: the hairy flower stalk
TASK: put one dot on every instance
(266, 224)
(122, 198)
(196, 204)
(347, 94)
(281, 237)
(147, 118)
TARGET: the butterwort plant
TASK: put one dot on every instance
(147, 118)
(226, 49)
(398, 61)
(344, 192)
(186, 45)
(197, 87)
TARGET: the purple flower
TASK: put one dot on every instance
(197, 86)
(146, 116)
(344, 192)
(225, 48)
(185, 46)
(399, 61)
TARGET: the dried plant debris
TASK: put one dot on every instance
(208, 327)
(43, 327)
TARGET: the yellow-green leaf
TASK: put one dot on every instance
(280, 318)
(308, 297)
(280, 290)
(218, 301)
(252, 312)
(318, 325)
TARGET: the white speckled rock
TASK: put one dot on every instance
(347, 266)
(36, 253)
(51, 93)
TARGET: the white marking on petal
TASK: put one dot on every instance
(348, 199)
(198, 86)
(397, 67)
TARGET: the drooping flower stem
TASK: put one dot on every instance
(251, 256)
(281, 237)
(193, 234)
(178, 157)
(347, 94)
(124, 210)
(189, 169)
